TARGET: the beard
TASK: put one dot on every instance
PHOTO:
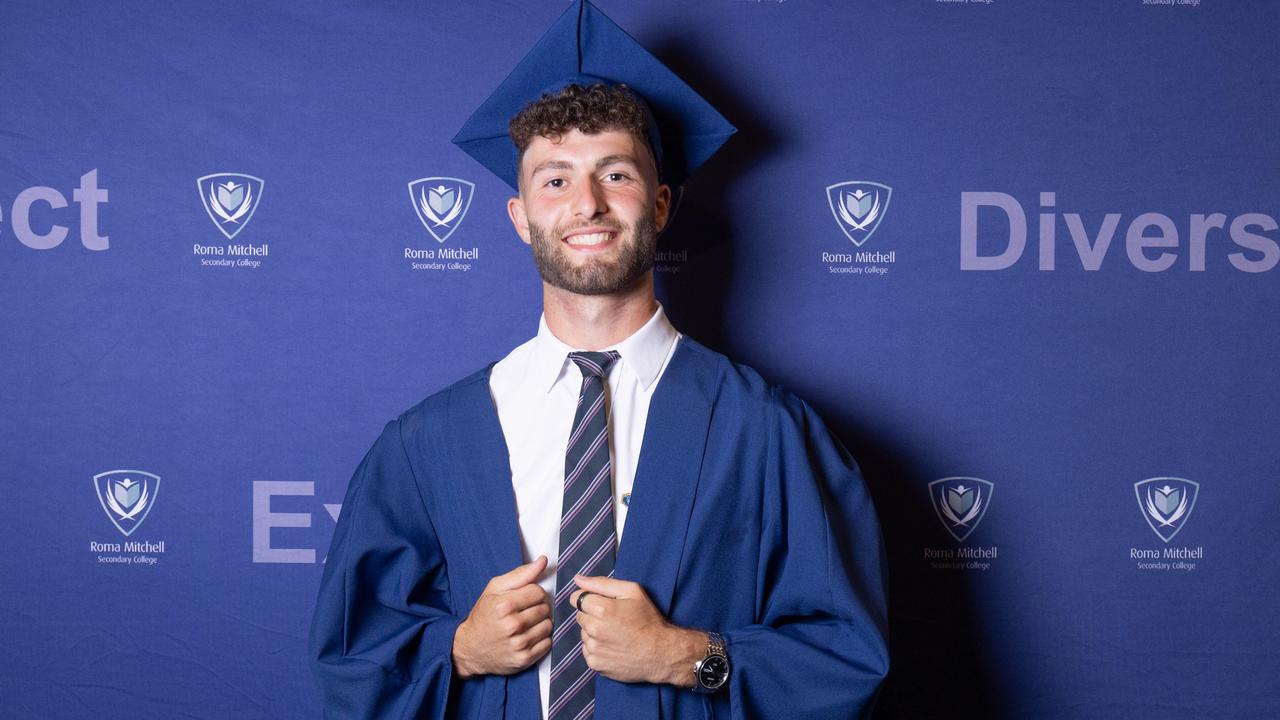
(637, 247)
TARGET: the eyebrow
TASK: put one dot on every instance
(615, 159)
(601, 163)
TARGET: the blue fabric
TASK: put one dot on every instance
(747, 517)
(585, 46)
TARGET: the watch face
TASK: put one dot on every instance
(713, 672)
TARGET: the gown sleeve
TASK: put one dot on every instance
(819, 649)
(382, 635)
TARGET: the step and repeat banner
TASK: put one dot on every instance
(1022, 255)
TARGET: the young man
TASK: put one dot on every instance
(478, 568)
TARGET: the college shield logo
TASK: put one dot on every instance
(858, 206)
(960, 503)
(1166, 503)
(230, 199)
(441, 204)
(127, 496)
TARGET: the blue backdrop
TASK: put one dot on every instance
(1051, 278)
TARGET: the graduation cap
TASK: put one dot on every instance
(584, 47)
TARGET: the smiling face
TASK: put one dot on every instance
(591, 208)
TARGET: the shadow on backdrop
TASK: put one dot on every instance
(938, 668)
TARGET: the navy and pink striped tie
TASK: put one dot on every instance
(587, 537)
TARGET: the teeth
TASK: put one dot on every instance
(592, 239)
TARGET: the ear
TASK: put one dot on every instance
(662, 207)
(519, 220)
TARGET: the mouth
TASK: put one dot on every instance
(590, 239)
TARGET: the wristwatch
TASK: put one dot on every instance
(712, 671)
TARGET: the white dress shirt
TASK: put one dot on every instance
(535, 389)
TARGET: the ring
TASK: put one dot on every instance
(579, 602)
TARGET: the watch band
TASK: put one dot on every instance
(715, 644)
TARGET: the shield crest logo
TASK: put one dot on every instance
(1166, 503)
(127, 497)
(960, 503)
(441, 203)
(230, 199)
(858, 207)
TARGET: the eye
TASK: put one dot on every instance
(617, 176)
(554, 183)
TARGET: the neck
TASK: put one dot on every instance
(595, 322)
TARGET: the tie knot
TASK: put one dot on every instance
(594, 364)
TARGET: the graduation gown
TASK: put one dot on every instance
(747, 517)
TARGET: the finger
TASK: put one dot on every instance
(606, 586)
(588, 624)
(584, 606)
(540, 629)
(527, 639)
(509, 605)
(520, 576)
(540, 648)
(533, 615)
(526, 596)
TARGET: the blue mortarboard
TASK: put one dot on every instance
(584, 46)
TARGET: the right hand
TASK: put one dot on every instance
(509, 628)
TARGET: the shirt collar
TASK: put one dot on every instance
(643, 353)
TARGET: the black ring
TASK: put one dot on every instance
(579, 602)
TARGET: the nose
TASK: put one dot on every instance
(588, 200)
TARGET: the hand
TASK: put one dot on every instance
(625, 638)
(509, 628)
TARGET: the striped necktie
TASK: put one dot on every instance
(587, 537)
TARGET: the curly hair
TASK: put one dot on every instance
(589, 109)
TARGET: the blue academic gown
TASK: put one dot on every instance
(747, 517)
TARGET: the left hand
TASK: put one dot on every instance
(625, 638)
